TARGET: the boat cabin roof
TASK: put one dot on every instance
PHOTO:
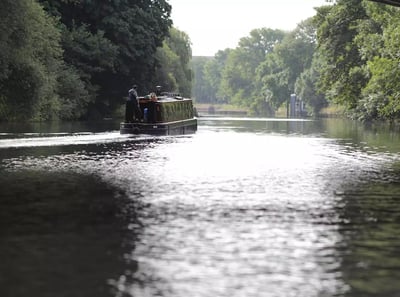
(165, 97)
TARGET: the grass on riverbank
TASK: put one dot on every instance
(207, 108)
(331, 111)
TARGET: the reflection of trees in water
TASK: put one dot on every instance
(264, 125)
(371, 231)
(62, 234)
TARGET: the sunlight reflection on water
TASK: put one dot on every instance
(240, 216)
(227, 213)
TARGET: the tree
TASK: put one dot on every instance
(30, 59)
(343, 77)
(359, 42)
(213, 75)
(378, 42)
(202, 89)
(381, 96)
(236, 83)
(112, 44)
(288, 60)
(238, 76)
(273, 77)
(207, 77)
(307, 86)
(174, 71)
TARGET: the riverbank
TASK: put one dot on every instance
(220, 109)
(333, 111)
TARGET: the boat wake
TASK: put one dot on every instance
(62, 139)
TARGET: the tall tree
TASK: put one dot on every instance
(274, 80)
(381, 96)
(202, 90)
(207, 77)
(307, 86)
(284, 65)
(213, 74)
(306, 82)
(30, 60)
(115, 43)
(174, 71)
(238, 82)
(359, 42)
(343, 77)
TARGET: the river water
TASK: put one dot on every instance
(244, 207)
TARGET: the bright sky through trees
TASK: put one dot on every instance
(218, 24)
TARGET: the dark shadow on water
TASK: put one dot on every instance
(63, 234)
(371, 231)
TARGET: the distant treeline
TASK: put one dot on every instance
(348, 54)
(76, 59)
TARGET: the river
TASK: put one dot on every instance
(244, 207)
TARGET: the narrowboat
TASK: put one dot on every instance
(166, 114)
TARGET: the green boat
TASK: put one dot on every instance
(168, 114)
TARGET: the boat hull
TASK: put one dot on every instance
(181, 127)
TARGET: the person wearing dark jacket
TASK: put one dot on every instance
(132, 108)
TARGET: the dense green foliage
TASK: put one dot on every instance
(77, 59)
(360, 43)
(347, 54)
(174, 59)
(30, 61)
(261, 72)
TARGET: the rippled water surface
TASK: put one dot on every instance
(244, 207)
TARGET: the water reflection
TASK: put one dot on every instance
(242, 208)
(62, 234)
(371, 264)
(261, 125)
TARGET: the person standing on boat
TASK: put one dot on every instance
(132, 106)
(158, 90)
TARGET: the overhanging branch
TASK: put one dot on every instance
(389, 2)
